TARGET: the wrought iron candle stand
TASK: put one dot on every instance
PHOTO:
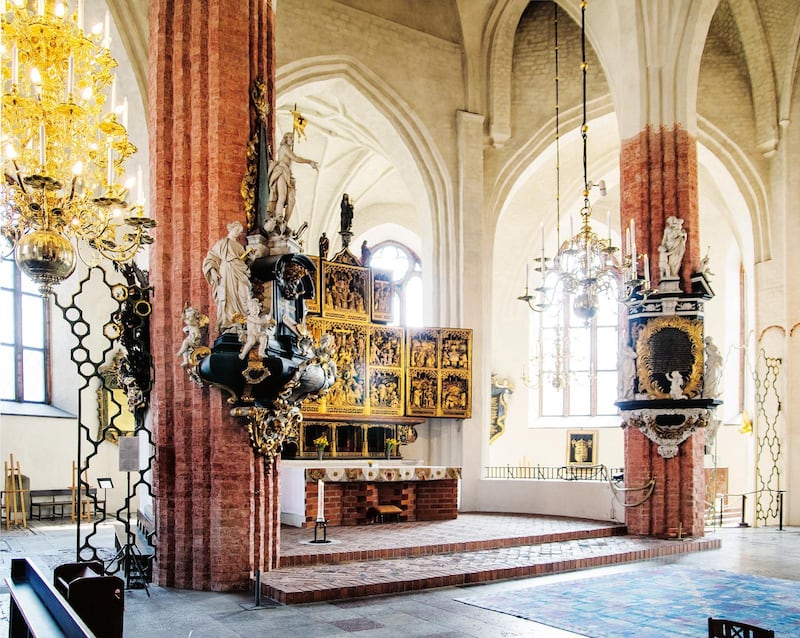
(321, 524)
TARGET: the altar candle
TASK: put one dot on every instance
(320, 500)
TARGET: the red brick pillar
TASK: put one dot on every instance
(216, 503)
(659, 180)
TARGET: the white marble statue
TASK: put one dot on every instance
(193, 322)
(712, 374)
(259, 329)
(225, 269)
(676, 385)
(673, 245)
(281, 183)
(324, 353)
(626, 374)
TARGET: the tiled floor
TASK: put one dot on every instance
(432, 613)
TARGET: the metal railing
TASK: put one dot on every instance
(716, 509)
(547, 473)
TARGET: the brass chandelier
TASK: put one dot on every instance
(586, 265)
(64, 144)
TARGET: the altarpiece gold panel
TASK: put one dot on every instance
(382, 296)
(439, 372)
(345, 292)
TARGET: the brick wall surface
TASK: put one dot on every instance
(658, 173)
(213, 509)
(350, 503)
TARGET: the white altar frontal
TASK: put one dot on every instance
(353, 491)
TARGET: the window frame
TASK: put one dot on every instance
(565, 323)
(19, 348)
(414, 272)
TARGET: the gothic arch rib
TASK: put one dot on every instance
(438, 195)
(748, 180)
(760, 71)
(787, 84)
(497, 54)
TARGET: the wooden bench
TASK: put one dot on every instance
(37, 609)
(377, 513)
(55, 502)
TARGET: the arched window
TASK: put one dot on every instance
(23, 337)
(573, 370)
(406, 269)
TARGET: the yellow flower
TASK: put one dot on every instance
(321, 441)
(390, 443)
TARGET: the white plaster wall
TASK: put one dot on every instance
(582, 499)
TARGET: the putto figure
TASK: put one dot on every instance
(225, 269)
(259, 329)
(194, 321)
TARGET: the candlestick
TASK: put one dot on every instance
(320, 500)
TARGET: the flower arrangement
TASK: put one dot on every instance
(391, 444)
(321, 442)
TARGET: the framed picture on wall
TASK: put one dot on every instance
(582, 447)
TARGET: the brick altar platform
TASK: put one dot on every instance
(474, 548)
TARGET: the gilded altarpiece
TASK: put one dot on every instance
(439, 372)
(388, 377)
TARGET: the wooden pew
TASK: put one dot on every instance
(37, 609)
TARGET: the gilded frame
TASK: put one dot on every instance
(582, 447)
(115, 418)
(654, 387)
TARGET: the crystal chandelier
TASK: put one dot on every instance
(586, 265)
(63, 145)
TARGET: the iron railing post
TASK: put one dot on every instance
(780, 511)
(744, 505)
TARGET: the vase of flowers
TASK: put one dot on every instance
(321, 442)
(391, 444)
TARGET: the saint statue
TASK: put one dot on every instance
(225, 269)
(281, 182)
(673, 245)
(346, 218)
(713, 369)
(324, 244)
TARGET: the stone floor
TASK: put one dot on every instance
(476, 542)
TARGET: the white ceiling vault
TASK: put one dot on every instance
(751, 50)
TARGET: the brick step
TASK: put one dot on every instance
(356, 579)
(413, 546)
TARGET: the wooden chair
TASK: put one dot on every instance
(719, 628)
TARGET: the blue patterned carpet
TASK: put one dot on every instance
(654, 602)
